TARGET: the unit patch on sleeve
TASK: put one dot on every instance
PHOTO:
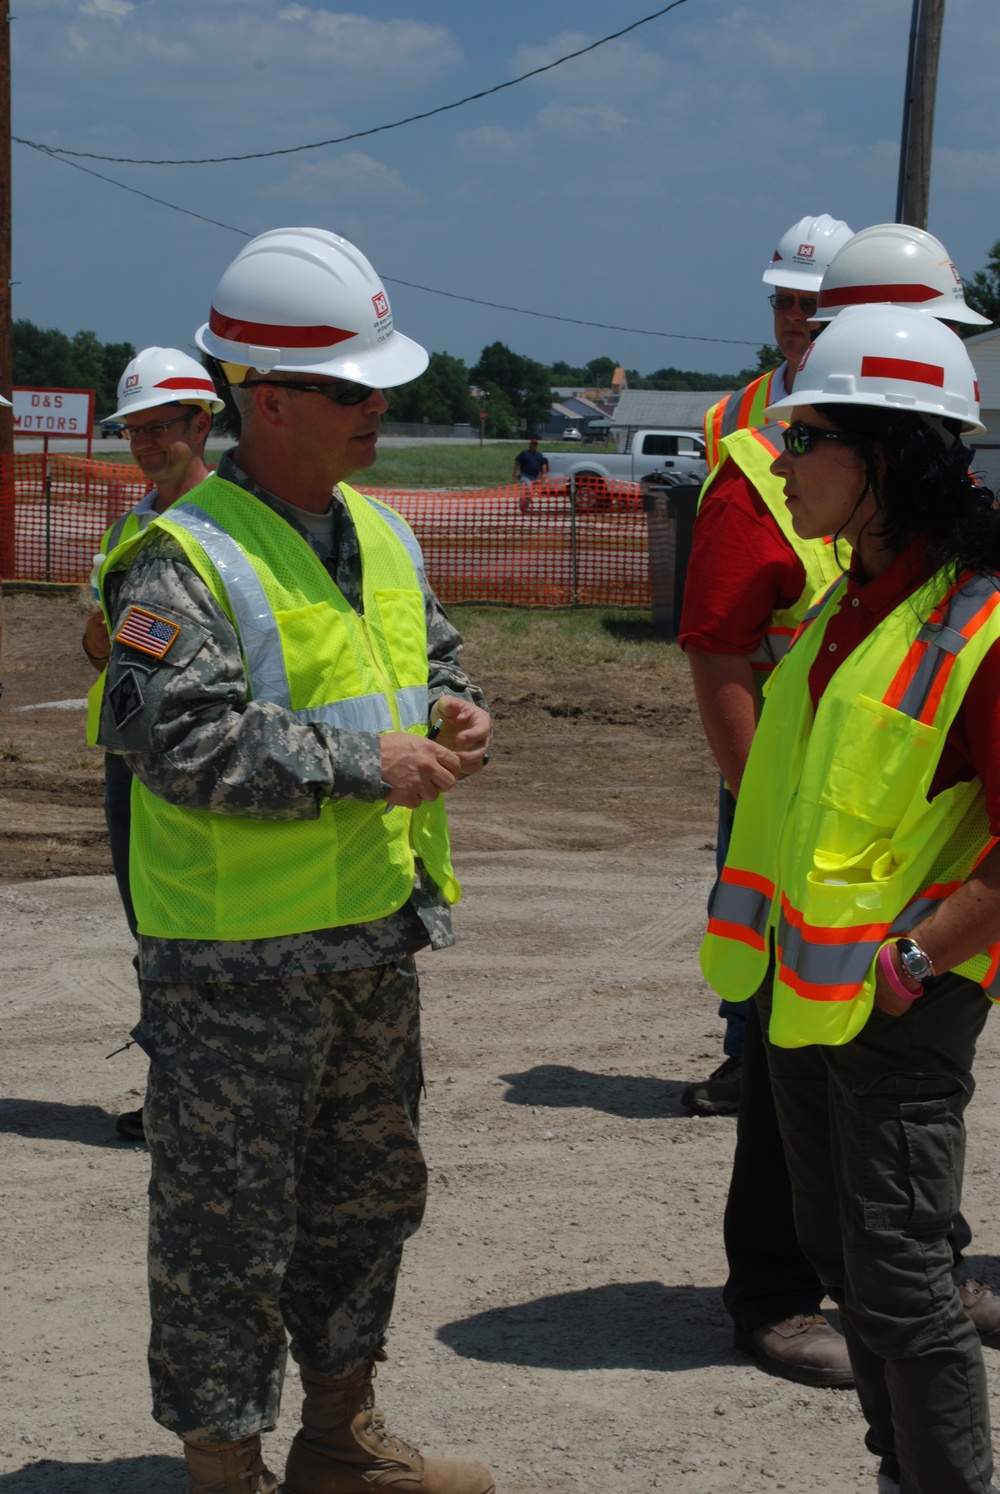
(147, 632)
(125, 698)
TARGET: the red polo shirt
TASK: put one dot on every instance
(741, 569)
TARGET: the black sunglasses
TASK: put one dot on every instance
(340, 391)
(782, 302)
(799, 438)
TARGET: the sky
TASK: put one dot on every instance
(644, 184)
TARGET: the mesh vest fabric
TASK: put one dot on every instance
(836, 846)
(200, 875)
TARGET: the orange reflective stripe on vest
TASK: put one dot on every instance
(838, 844)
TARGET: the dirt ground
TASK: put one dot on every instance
(559, 1313)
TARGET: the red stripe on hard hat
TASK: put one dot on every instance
(866, 295)
(264, 334)
(903, 368)
(179, 383)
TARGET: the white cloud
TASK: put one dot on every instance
(576, 120)
(351, 181)
(115, 9)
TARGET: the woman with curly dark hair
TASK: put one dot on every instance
(861, 893)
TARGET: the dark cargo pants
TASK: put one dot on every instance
(874, 1137)
(281, 1118)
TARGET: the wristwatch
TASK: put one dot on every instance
(915, 961)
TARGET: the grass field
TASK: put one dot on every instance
(446, 466)
(501, 637)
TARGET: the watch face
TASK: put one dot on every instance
(913, 960)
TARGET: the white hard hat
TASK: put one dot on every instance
(891, 356)
(304, 300)
(803, 253)
(899, 264)
(163, 376)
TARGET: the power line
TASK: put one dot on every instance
(430, 290)
(290, 150)
(188, 212)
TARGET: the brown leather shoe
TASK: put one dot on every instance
(804, 1348)
(228, 1468)
(344, 1446)
(983, 1307)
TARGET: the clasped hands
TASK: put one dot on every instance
(420, 769)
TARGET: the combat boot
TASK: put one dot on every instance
(344, 1446)
(228, 1468)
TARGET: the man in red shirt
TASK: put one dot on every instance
(747, 577)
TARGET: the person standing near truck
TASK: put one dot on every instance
(528, 465)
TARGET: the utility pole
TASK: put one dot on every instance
(913, 191)
(6, 359)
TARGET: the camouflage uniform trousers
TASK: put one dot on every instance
(281, 1117)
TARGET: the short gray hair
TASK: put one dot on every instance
(243, 400)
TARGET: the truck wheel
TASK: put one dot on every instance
(591, 493)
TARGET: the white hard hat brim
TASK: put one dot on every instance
(154, 400)
(946, 313)
(793, 279)
(781, 408)
(397, 360)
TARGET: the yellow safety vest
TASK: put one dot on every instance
(753, 449)
(738, 411)
(196, 874)
(836, 846)
(123, 529)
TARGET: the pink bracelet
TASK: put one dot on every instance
(889, 971)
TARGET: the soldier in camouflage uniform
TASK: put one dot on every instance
(285, 1069)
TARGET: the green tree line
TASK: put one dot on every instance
(45, 358)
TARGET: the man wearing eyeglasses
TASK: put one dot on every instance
(749, 581)
(287, 689)
(165, 402)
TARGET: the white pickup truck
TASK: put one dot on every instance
(682, 452)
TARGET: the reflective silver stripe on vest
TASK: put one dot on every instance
(115, 532)
(945, 639)
(772, 649)
(746, 906)
(411, 703)
(371, 712)
(360, 713)
(255, 622)
(403, 533)
(261, 640)
(825, 964)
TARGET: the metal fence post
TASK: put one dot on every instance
(574, 552)
(47, 460)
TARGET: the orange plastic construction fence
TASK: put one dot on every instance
(542, 546)
(54, 509)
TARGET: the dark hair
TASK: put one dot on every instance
(919, 476)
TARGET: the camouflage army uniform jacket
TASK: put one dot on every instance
(196, 741)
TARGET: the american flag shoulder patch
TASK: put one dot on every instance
(147, 632)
